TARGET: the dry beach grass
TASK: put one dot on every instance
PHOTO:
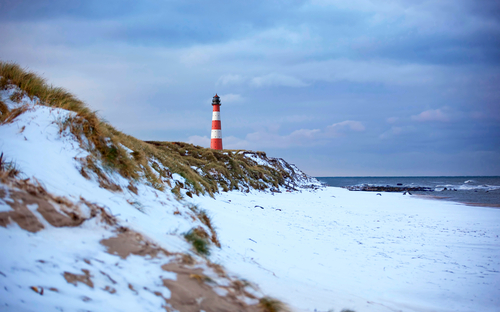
(155, 163)
(191, 282)
(205, 170)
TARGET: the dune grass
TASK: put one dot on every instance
(204, 170)
(202, 215)
(268, 304)
(8, 169)
(3, 109)
(199, 239)
(85, 123)
(227, 169)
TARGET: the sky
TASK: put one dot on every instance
(339, 88)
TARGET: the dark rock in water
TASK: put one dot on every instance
(369, 188)
(400, 183)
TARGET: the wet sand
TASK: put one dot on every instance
(434, 197)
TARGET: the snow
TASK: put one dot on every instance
(52, 251)
(55, 166)
(257, 159)
(334, 249)
(315, 250)
(298, 180)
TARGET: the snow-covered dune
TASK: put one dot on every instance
(71, 243)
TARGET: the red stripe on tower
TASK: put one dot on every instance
(216, 138)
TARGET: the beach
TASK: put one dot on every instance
(335, 249)
(71, 242)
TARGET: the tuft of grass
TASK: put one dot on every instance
(202, 215)
(176, 190)
(219, 269)
(200, 278)
(10, 115)
(205, 219)
(187, 259)
(4, 109)
(8, 169)
(199, 242)
(268, 304)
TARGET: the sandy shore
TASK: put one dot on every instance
(336, 249)
(465, 203)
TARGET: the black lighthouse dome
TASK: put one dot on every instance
(216, 100)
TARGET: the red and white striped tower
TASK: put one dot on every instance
(216, 141)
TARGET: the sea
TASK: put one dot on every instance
(475, 191)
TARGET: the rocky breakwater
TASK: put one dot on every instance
(388, 188)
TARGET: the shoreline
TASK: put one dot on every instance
(434, 197)
(447, 198)
(480, 191)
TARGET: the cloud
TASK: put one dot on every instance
(203, 141)
(431, 115)
(275, 79)
(194, 57)
(232, 142)
(265, 139)
(230, 79)
(392, 120)
(301, 137)
(340, 128)
(369, 71)
(146, 65)
(231, 98)
(396, 131)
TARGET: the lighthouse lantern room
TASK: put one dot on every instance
(216, 138)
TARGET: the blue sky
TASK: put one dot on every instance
(340, 88)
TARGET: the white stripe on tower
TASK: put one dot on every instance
(216, 134)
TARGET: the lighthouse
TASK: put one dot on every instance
(216, 138)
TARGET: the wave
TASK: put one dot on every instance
(479, 187)
(466, 187)
(436, 188)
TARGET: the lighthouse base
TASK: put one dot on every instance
(216, 144)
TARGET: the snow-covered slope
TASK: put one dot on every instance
(296, 179)
(75, 240)
(70, 242)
